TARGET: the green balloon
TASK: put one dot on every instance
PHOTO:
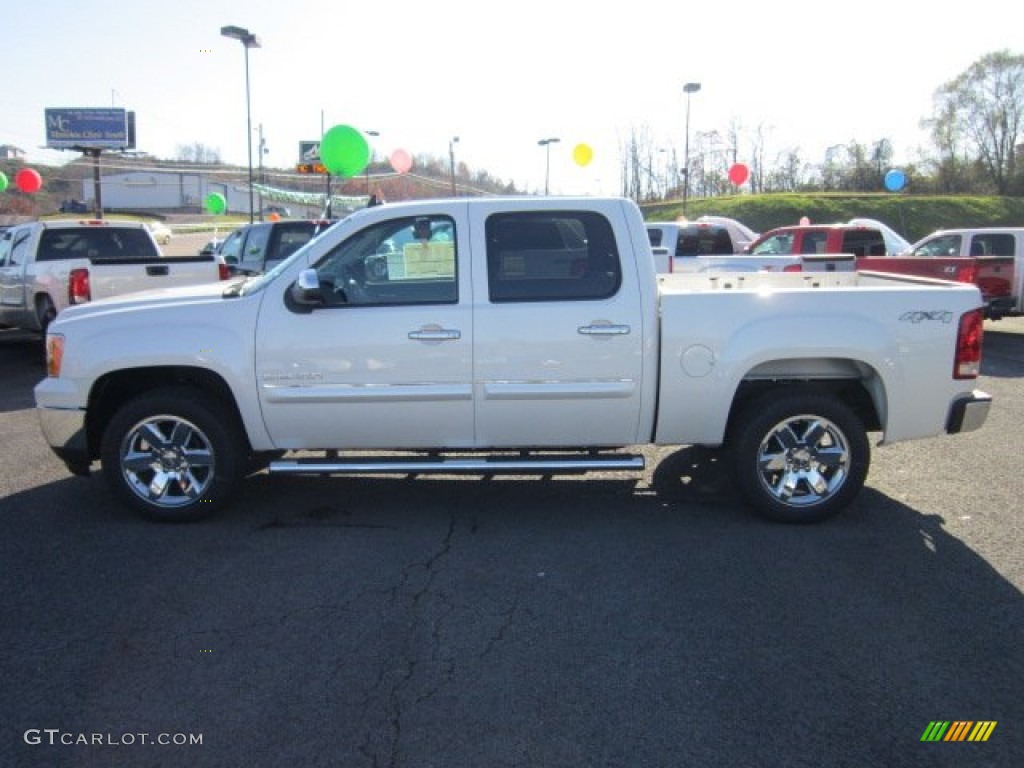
(3, 181)
(344, 151)
(215, 203)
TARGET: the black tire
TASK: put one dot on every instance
(173, 454)
(799, 457)
(46, 313)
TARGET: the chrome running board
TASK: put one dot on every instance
(384, 465)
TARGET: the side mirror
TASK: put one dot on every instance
(231, 261)
(305, 291)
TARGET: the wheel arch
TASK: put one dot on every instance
(112, 390)
(856, 383)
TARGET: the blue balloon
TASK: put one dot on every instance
(895, 180)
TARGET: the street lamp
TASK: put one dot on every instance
(451, 155)
(370, 133)
(248, 40)
(688, 89)
(261, 152)
(546, 143)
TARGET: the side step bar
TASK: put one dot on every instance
(384, 465)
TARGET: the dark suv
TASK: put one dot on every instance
(256, 248)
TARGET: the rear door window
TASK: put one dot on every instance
(551, 256)
(993, 244)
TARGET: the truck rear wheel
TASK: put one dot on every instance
(799, 457)
(46, 313)
(172, 454)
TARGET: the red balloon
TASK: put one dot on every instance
(28, 180)
(738, 173)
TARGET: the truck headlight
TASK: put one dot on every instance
(54, 354)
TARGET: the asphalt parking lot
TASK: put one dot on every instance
(598, 621)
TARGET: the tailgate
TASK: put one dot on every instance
(111, 278)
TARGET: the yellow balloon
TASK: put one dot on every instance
(582, 154)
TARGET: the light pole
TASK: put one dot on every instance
(248, 40)
(451, 155)
(546, 143)
(260, 152)
(688, 89)
(374, 134)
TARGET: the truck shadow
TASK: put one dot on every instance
(855, 633)
(22, 359)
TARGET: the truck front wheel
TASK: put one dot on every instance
(172, 454)
(799, 457)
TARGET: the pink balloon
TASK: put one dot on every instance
(401, 161)
(28, 180)
(738, 173)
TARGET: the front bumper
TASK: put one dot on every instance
(64, 430)
(968, 412)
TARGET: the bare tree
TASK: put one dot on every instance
(198, 153)
(984, 109)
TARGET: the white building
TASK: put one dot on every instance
(163, 190)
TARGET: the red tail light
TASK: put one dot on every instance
(222, 270)
(967, 363)
(967, 273)
(79, 291)
(793, 268)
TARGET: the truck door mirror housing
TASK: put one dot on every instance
(305, 291)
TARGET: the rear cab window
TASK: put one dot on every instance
(863, 242)
(98, 244)
(704, 240)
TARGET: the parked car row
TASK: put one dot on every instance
(992, 258)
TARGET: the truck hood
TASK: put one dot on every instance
(203, 293)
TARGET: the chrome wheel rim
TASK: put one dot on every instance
(167, 461)
(803, 460)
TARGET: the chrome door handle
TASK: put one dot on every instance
(440, 334)
(603, 330)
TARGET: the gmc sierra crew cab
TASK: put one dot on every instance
(506, 335)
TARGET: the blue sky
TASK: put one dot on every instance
(499, 76)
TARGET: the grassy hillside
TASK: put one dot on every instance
(913, 216)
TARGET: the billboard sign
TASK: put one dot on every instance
(104, 128)
(309, 151)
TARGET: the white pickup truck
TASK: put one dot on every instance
(506, 335)
(986, 244)
(46, 266)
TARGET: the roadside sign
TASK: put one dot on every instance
(87, 128)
